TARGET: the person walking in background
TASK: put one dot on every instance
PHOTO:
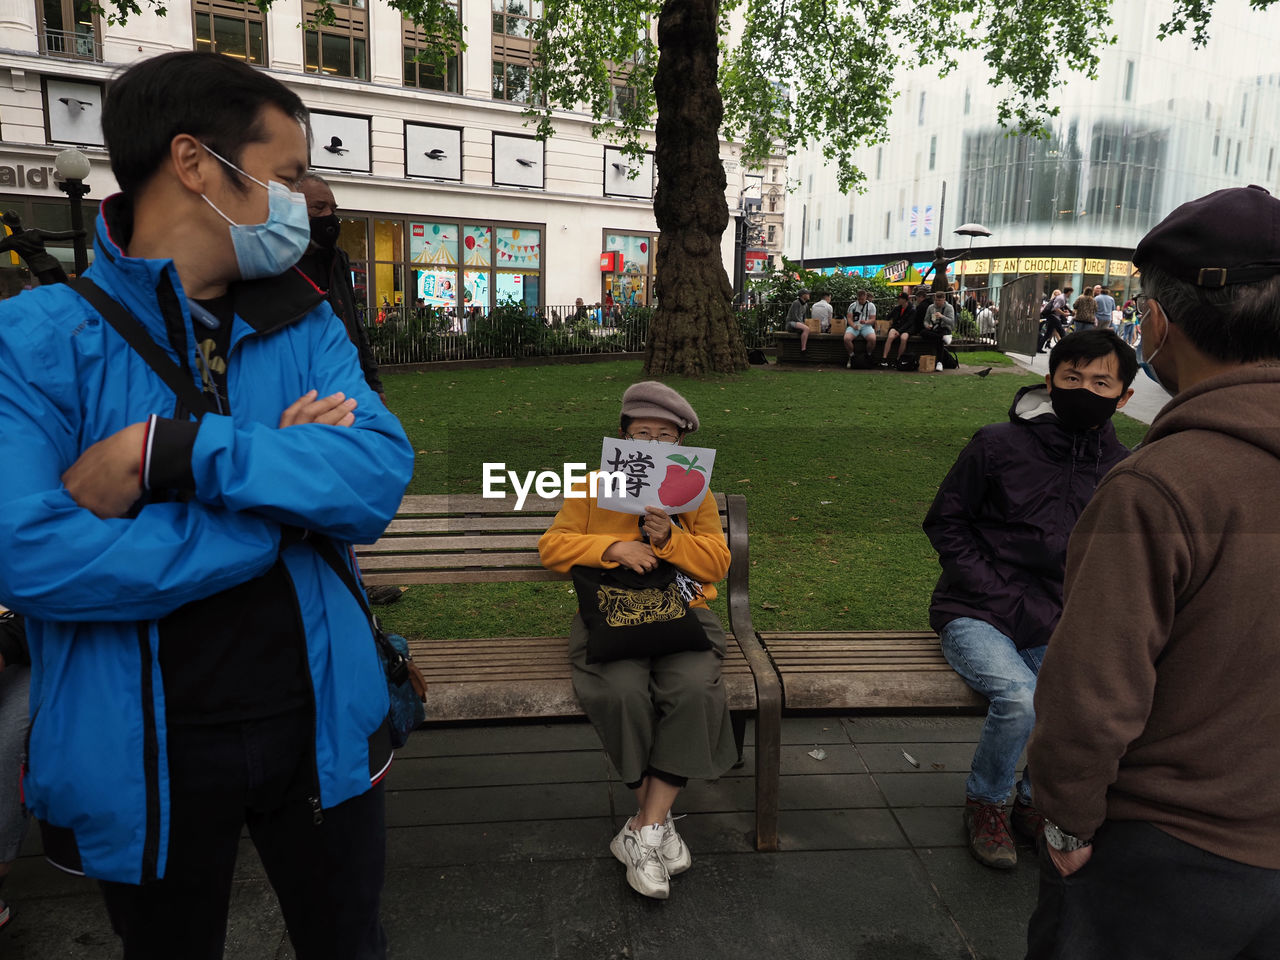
(1106, 308)
(1000, 523)
(1158, 735)
(1128, 317)
(1054, 314)
(1085, 310)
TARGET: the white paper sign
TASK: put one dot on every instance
(666, 475)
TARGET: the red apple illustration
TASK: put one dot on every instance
(682, 483)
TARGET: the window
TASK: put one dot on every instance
(1226, 164)
(775, 174)
(1236, 170)
(633, 284)
(966, 102)
(1128, 79)
(920, 115)
(879, 161)
(933, 150)
(513, 48)
(1244, 109)
(773, 203)
(1271, 159)
(339, 49)
(849, 233)
(231, 29)
(70, 28)
(428, 76)
(773, 232)
(515, 18)
(887, 218)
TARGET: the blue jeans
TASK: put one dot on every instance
(991, 664)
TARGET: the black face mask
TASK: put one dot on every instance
(324, 231)
(1082, 409)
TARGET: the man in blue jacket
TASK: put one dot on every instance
(1000, 524)
(196, 666)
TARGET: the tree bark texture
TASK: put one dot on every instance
(694, 330)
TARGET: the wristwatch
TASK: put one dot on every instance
(1062, 841)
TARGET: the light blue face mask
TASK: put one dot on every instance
(269, 249)
(1144, 364)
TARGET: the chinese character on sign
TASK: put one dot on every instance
(636, 465)
(637, 474)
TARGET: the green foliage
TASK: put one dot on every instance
(783, 285)
(802, 69)
(838, 470)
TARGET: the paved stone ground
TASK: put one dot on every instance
(498, 847)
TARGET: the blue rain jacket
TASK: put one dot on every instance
(93, 589)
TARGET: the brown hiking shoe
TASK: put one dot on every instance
(989, 840)
(1027, 821)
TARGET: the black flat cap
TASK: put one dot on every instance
(1229, 236)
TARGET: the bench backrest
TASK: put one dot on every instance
(470, 539)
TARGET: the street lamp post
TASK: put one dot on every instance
(72, 167)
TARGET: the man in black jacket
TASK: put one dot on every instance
(328, 267)
(1000, 524)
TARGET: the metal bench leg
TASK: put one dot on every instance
(768, 764)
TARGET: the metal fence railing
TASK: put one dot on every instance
(81, 45)
(400, 334)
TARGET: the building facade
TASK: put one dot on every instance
(1163, 123)
(446, 197)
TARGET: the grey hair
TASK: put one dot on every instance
(1238, 323)
(312, 175)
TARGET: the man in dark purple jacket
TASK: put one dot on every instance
(1000, 524)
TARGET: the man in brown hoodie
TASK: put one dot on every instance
(1157, 741)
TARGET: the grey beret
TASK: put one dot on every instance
(649, 398)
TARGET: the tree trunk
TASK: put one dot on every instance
(694, 330)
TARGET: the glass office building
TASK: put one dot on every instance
(1163, 123)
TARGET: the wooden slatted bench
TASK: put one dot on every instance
(468, 539)
(866, 670)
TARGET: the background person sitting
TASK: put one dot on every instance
(861, 317)
(822, 311)
(795, 319)
(907, 323)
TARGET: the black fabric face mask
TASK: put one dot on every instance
(1082, 409)
(324, 231)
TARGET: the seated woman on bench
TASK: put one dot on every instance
(662, 719)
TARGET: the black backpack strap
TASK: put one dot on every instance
(135, 334)
(395, 665)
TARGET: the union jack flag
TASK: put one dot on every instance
(921, 222)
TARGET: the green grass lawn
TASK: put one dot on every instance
(838, 470)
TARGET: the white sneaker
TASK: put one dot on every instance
(639, 849)
(675, 853)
